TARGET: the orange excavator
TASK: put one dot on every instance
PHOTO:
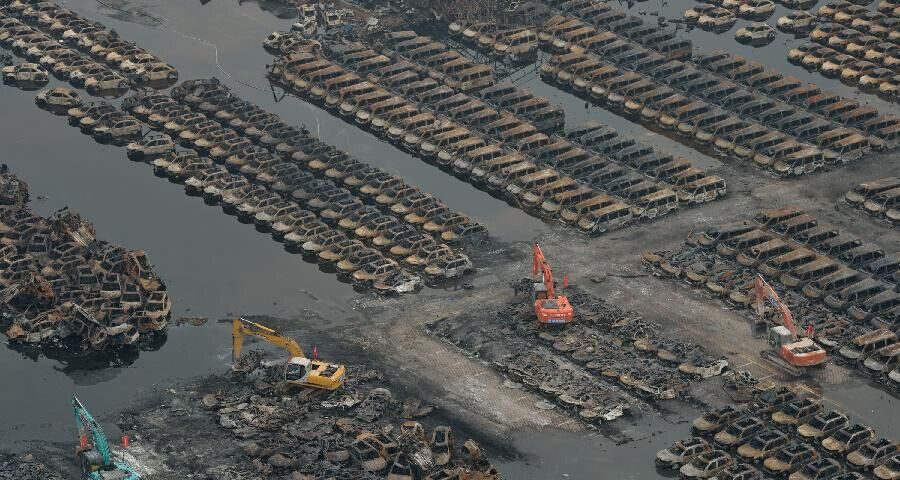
(788, 351)
(550, 309)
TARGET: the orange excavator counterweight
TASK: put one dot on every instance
(550, 309)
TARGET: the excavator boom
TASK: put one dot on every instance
(765, 295)
(241, 327)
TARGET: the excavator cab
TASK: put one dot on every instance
(779, 336)
(297, 370)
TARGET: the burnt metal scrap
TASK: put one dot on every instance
(609, 363)
(362, 431)
(58, 283)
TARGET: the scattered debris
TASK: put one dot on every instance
(362, 431)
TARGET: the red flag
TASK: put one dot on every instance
(809, 330)
(565, 281)
(83, 441)
(315, 352)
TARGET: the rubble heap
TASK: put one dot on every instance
(608, 363)
(59, 284)
(361, 431)
(25, 468)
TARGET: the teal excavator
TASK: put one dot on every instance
(93, 453)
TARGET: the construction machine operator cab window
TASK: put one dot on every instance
(297, 370)
(539, 291)
(779, 336)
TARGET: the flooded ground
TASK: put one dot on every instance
(214, 266)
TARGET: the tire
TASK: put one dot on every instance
(123, 84)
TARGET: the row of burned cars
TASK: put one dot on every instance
(580, 21)
(862, 49)
(781, 435)
(720, 16)
(880, 24)
(514, 43)
(846, 289)
(78, 50)
(359, 220)
(737, 107)
(500, 139)
(879, 198)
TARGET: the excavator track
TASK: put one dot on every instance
(776, 360)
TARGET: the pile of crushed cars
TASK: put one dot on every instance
(360, 431)
(844, 288)
(607, 364)
(59, 283)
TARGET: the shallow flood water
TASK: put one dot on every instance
(214, 266)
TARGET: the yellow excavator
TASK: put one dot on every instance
(300, 370)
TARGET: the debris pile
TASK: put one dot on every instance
(610, 362)
(59, 284)
(361, 431)
(25, 468)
